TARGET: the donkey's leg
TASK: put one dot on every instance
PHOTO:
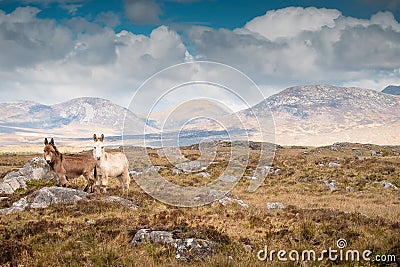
(124, 179)
(62, 180)
(90, 182)
(104, 182)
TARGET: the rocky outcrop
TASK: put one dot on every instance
(34, 169)
(187, 250)
(45, 197)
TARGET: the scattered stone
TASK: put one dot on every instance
(45, 197)
(90, 221)
(5, 198)
(251, 178)
(275, 205)
(350, 189)
(334, 165)
(226, 200)
(191, 166)
(333, 148)
(265, 170)
(388, 185)
(248, 248)
(176, 171)
(277, 171)
(195, 249)
(153, 169)
(34, 169)
(332, 185)
(204, 174)
(209, 196)
(373, 153)
(135, 173)
(122, 201)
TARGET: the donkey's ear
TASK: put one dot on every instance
(102, 138)
(52, 142)
(95, 137)
(46, 142)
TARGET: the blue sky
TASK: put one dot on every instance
(62, 49)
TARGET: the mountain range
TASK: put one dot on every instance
(303, 115)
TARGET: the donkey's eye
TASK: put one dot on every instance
(102, 147)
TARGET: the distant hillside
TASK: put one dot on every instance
(28, 122)
(321, 115)
(392, 90)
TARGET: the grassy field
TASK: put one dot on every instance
(96, 233)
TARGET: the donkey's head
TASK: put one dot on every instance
(98, 148)
(50, 151)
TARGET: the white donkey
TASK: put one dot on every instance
(110, 164)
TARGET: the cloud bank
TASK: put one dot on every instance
(78, 57)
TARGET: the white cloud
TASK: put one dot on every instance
(291, 21)
(59, 61)
(306, 45)
(143, 11)
(48, 62)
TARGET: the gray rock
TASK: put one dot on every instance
(187, 249)
(248, 248)
(135, 173)
(162, 237)
(373, 153)
(277, 171)
(176, 171)
(195, 249)
(153, 169)
(45, 197)
(334, 165)
(34, 169)
(5, 188)
(210, 195)
(264, 170)
(388, 185)
(275, 205)
(350, 189)
(191, 166)
(332, 185)
(226, 200)
(204, 174)
(122, 201)
(251, 178)
(140, 237)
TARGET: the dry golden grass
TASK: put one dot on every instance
(98, 234)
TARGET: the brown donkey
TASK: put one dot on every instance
(69, 166)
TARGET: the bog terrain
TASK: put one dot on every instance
(344, 190)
